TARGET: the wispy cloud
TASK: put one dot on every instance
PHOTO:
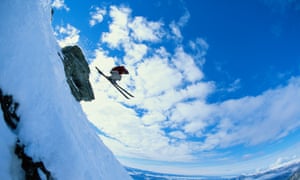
(97, 15)
(67, 36)
(170, 114)
(176, 26)
(274, 112)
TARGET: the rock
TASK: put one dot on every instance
(77, 73)
(9, 108)
(30, 167)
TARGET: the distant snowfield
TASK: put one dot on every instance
(53, 126)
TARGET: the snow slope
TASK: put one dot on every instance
(53, 126)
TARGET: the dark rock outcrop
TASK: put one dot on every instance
(30, 167)
(9, 108)
(77, 73)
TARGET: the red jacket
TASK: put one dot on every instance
(120, 70)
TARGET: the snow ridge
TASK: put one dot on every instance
(52, 125)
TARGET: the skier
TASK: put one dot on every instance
(115, 76)
(116, 73)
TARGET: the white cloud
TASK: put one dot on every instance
(118, 28)
(67, 36)
(97, 16)
(186, 64)
(123, 27)
(178, 134)
(143, 30)
(158, 81)
(157, 85)
(153, 72)
(170, 93)
(264, 118)
(103, 61)
(60, 4)
(134, 52)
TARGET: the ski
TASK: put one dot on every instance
(123, 91)
(120, 91)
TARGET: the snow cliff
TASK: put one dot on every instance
(52, 125)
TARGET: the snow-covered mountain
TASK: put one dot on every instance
(38, 111)
(287, 172)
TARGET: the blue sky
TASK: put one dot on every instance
(216, 83)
